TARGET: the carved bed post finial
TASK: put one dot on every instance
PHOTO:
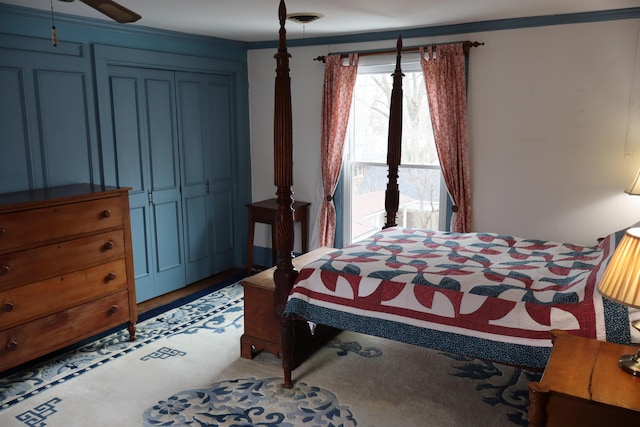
(394, 143)
(282, 17)
(285, 274)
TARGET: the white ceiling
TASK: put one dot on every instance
(256, 20)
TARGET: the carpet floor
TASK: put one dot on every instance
(185, 370)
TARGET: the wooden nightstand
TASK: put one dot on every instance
(262, 327)
(583, 386)
(265, 212)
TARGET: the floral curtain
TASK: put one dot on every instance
(339, 81)
(443, 67)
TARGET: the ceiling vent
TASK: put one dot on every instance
(304, 17)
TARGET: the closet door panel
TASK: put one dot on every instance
(141, 256)
(221, 125)
(131, 161)
(14, 161)
(167, 217)
(196, 142)
(196, 220)
(163, 144)
(223, 227)
(192, 109)
(169, 263)
(221, 128)
(64, 127)
(127, 129)
(47, 116)
(147, 159)
(165, 180)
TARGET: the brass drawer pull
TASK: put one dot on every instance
(12, 345)
(7, 307)
(3, 231)
(114, 309)
(111, 276)
(109, 245)
(106, 213)
(4, 269)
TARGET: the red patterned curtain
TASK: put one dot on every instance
(339, 81)
(444, 74)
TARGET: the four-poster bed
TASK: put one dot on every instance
(479, 294)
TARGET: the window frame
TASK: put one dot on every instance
(383, 64)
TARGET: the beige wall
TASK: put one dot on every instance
(553, 113)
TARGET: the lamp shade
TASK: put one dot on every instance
(621, 279)
(634, 187)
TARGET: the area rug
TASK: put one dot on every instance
(185, 370)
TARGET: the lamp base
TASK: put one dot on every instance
(630, 363)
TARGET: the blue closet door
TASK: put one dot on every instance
(204, 125)
(221, 125)
(147, 159)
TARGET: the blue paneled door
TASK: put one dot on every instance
(148, 160)
(205, 134)
(173, 134)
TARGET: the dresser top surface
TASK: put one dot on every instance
(35, 198)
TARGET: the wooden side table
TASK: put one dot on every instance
(583, 386)
(265, 212)
(262, 326)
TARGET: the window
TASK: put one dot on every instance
(422, 190)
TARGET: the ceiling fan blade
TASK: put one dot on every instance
(113, 10)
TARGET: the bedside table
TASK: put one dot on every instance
(265, 212)
(583, 385)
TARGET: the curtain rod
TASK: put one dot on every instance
(466, 46)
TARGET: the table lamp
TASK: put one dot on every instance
(634, 187)
(621, 283)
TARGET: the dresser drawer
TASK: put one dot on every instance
(42, 336)
(30, 227)
(60, 258)
(28, 302)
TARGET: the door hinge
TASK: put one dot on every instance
(151, 197)
(207, 186)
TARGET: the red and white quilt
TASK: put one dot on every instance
(460, 290)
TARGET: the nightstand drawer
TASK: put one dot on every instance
(27, 228)
(24, 303)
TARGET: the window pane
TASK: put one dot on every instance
(371, 117)
(419, 205)
(371, 114)
(419, 198)
(420, 178)
(418, 146)
(367, 200)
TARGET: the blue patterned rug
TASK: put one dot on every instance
(185, 370)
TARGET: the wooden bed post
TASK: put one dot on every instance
(285, 274)
(394, 143)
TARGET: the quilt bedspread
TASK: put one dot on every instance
(459, 291)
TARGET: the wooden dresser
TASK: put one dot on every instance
(66, 269)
